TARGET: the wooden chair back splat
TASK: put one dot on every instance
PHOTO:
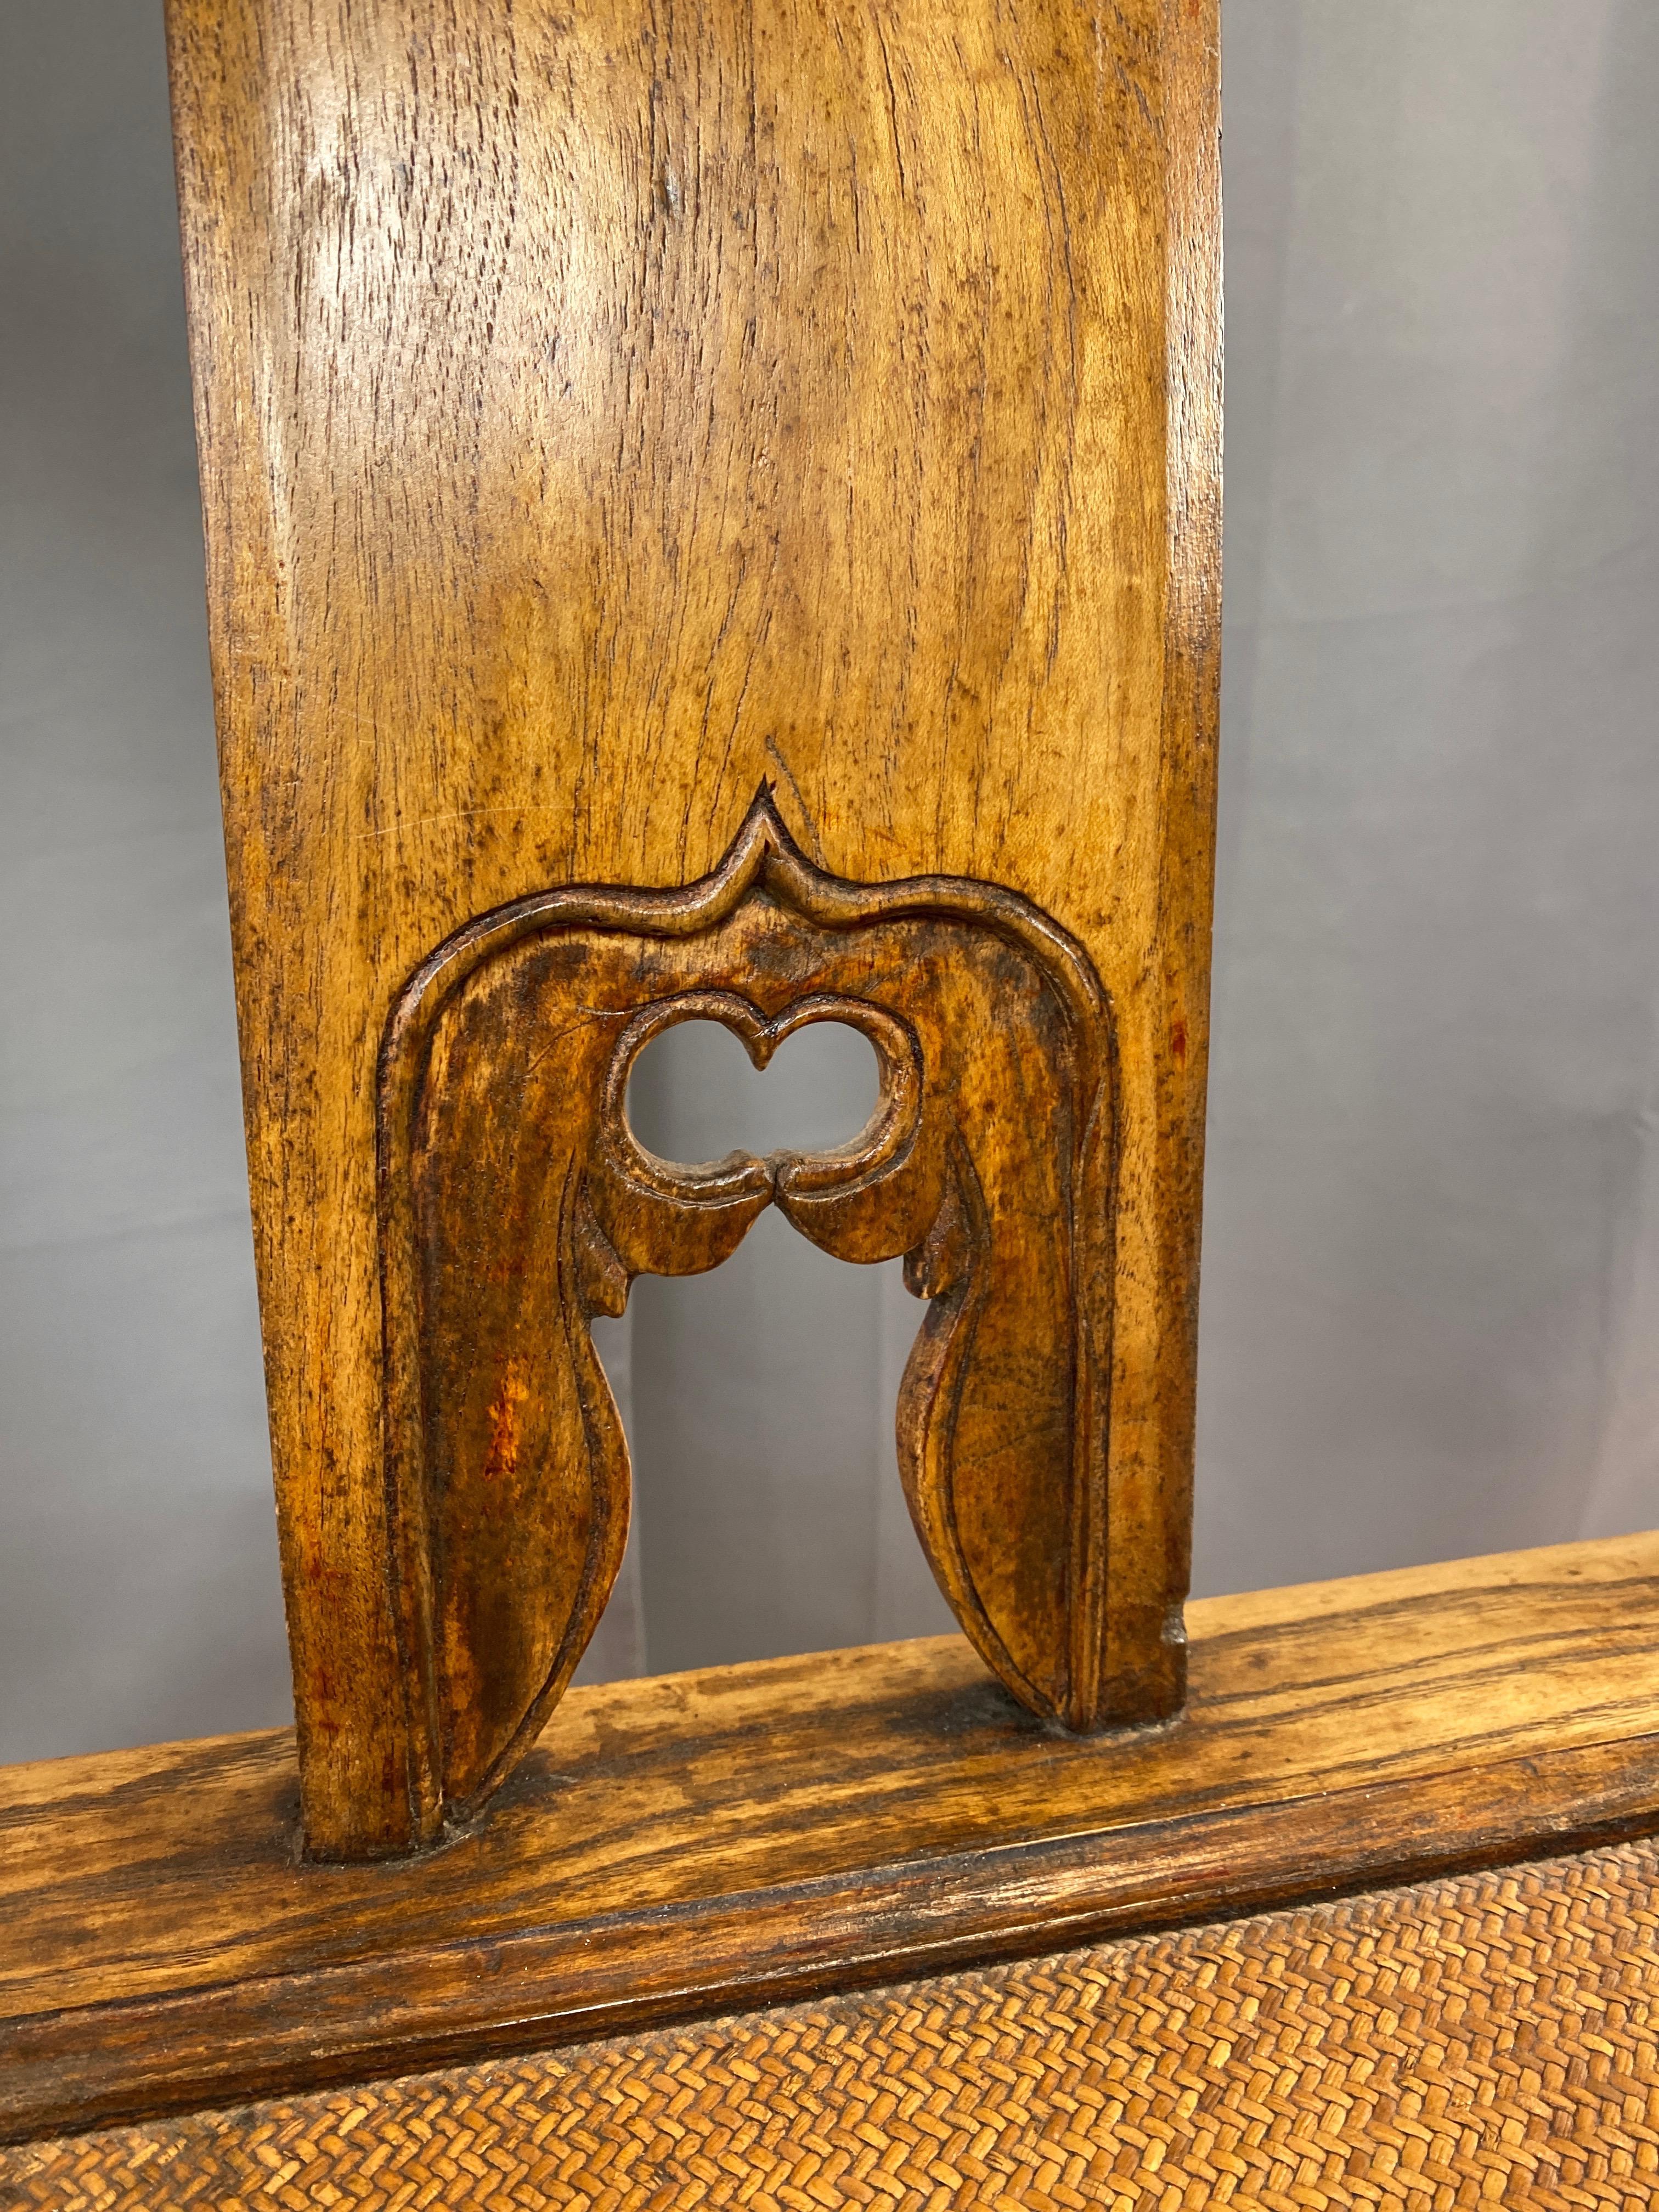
(706, 513)
(713, 513)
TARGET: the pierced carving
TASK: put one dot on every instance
(517, 1205)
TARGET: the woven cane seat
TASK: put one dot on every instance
(1485, 2039)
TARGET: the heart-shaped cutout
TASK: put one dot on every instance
(698, 1092)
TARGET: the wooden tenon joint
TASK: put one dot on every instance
(711, 514)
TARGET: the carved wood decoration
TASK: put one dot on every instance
(605, 410)
(516, 1204)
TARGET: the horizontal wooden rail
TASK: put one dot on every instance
(708, 1842)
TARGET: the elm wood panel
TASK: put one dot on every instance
(706, 1842)
(603, 409)
(517, 1205)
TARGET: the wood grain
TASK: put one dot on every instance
(604, 412)
(711, 1842)
(517, 1204)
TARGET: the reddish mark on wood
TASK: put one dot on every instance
(502, 1457)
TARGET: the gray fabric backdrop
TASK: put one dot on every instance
(1430, 1311)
